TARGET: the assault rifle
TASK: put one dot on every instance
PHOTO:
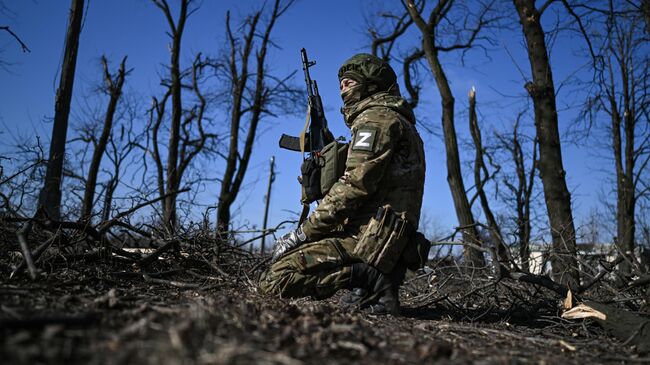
(315, 135)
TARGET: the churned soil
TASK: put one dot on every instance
(177, 311)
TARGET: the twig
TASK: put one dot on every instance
(214, 267)
(433, 301)
(601, 274)
(266, 233)
(23, 46)
(259, 264)
(103, 226)
(20, 172)
(130, 274)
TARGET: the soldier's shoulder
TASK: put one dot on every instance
(380, 115)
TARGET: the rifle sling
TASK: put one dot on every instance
(304, 130)
(304, 213)
(297, 143)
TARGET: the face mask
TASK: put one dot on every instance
(352, 95)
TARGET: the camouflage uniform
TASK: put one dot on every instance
(385, 165)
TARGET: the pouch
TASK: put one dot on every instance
(310, 181)
(333, 157)
(416, 252)
(322, 170)
(384, 239)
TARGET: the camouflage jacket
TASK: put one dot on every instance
(385, 165)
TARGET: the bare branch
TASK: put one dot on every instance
(23, 46)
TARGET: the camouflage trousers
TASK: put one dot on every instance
(318, 269)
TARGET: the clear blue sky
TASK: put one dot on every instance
(330, 30)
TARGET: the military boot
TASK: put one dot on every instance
(382, 290)
(353, 297)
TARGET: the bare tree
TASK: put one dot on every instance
(621, 93)
(119, 149)
(113, 87)
(176, 33)
(187, 136)
(253, 94)
(19, 186)
(432, 46)
(558, 199)
(50, 196)
(520, 186)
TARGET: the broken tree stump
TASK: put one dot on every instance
(630, 327)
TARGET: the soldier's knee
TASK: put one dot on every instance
(274, 279)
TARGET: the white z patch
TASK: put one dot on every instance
(364, 139)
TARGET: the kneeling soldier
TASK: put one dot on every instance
(360, 234)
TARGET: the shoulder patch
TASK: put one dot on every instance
(364, 139)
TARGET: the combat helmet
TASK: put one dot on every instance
(371, 71)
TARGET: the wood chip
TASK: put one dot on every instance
(567, 346)
(583, 311)
(568, 301)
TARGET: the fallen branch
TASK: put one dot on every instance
(36, 255)
(540, 280)
(147, 260)
(178, 284)
(24, 246)
(642, 281)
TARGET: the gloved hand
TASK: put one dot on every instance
(290, 240)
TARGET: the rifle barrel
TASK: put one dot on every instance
(305, 67)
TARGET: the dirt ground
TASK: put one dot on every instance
(185, 310)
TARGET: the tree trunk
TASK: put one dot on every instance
(556, 193)
(169, 216)
(238, 158)
(111, 185)
(454, 174)
(114, 88)
(223, 216)
(50, 195)
(624, 163)
(524, 201)
(479, 167)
